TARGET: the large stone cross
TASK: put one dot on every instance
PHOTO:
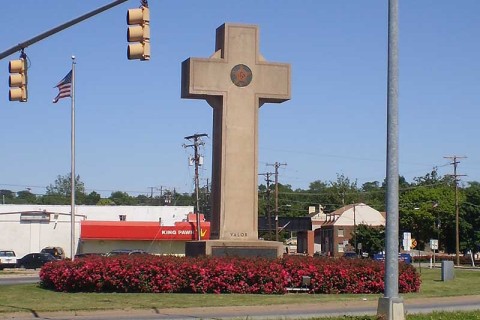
(236, 80)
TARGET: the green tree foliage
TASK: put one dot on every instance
(7, 196)
(371, 238)
(122, 199)
(373, 194)
(470, 213)
(105, 202)
(25, 197)
(92, 198)
(60, 191)
(427, 210)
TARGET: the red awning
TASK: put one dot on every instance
(136, 230)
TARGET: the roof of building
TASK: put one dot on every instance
(355, 214)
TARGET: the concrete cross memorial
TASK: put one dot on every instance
(235, 81)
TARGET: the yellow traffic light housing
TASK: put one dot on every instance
(139, 33)
(18, 80)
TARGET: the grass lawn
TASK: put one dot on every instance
(432, 316)
(28, 297)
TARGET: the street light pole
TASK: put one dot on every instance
(390, 306)
(276, 202)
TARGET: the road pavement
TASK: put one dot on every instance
(287, 311)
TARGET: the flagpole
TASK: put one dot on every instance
(72, 193)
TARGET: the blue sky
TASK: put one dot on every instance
(131, 121)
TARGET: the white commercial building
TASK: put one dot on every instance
(29, 228)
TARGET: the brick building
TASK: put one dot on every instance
(334, 234)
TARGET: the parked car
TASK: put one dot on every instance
(57, 252)
(405, 257)
(8, 259)
(125, 252)
(35, 260)
(350, 255)
(88, 254)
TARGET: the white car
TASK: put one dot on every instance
(8, 259)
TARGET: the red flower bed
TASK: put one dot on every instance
(220, 275)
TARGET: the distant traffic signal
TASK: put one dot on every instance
(18, 79)
(139, 33)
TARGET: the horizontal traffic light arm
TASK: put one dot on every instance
(64, 26)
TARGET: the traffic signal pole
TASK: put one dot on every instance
(61, 27)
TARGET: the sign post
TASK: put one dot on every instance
(434, 246)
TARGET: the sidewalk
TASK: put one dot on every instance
(13, 273)
(287, 311)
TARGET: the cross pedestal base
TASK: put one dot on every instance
(238, 248)
(390, 309)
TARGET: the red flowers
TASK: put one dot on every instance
(220, 275)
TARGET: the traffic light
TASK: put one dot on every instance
(139, 33)
(18, 79)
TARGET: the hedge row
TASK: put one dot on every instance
(221, 275)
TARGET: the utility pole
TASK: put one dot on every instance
(196, 143)
(206, 202)
(457, 209)
(276, 165)
(269, 213)
(151, 192)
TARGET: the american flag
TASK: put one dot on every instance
(64, 87)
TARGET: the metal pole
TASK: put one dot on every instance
(390, 306)
(61, 27)
(276, 201)
(457, 215)
(72, 193)
(199, 230)
(391, 260)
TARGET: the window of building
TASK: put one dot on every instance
(123, 217)
(341, 247)
(340, 233)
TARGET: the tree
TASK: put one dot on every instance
(60, 191)
(341, 192)
(423, 208)
(92, 198)
(372, 238)
(105, 202)
(25, 197)
(373, 194)
(122, 199)
(470, 213)
(144, 200)
(6, 196)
